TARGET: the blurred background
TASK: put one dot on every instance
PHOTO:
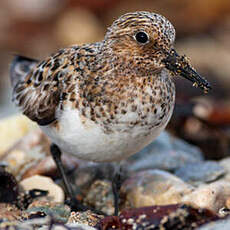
(36, 28)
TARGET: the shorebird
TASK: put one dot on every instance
(105, 101)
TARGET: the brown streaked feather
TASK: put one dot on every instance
(35, 91)
(51, 83)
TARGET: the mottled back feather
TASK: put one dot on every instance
(26, 78)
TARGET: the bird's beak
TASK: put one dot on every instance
(179, 65)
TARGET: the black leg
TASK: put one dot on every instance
(56, 154)
(74, 203)
(116, 185)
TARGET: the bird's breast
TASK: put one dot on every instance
(114, 131)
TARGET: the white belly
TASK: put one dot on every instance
(87, 140)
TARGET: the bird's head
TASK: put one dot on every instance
(146, 41)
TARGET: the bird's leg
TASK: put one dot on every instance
(74, 203)
(116, 185)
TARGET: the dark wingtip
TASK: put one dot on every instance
(20, 67)
(23, 58)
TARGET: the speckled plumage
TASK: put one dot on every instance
(107, 100)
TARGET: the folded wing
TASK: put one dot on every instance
(34, 91)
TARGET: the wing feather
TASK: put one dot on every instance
(34, 90)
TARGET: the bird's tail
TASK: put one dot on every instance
(19, 69)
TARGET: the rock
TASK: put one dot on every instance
(26, 153)
(12, 130)
(19, 161)
(212, 196)
(225, 163)
(29, 224)
(167, 153)
(168, 217)
(87, 218)
(8, 183)
(217, 225)
(45, 223)
(45, 167)
(153, 187)
(100, 197)
(24, 199)
(9, 212)
(78, 26)
(78, 227)
(199, 172)
(57, 211)
(55, 192)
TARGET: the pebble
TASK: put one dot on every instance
(19, 161)
(225, 163)
(8, 183)
(9, 212)
(8, 136)
(87, 218)
(214, 196)
(176, 217)
(59, 212)
(28, 152)
(200, 172)
(79, 227)
(55, 192)
(100, 197)
(167, 153)
(217, 225)
(153, 187)
(43, 224)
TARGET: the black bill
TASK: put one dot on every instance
(179, 65)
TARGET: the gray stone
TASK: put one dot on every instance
(59, 212)
(100, 197)
(153, 187)
(199, 172)
(217, 225)
(79, 227)
(167, 153)
(73, 226)
(214, 196)
(225, 163)
(43, 224)
(88, 218)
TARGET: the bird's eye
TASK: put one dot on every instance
(142, 37)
